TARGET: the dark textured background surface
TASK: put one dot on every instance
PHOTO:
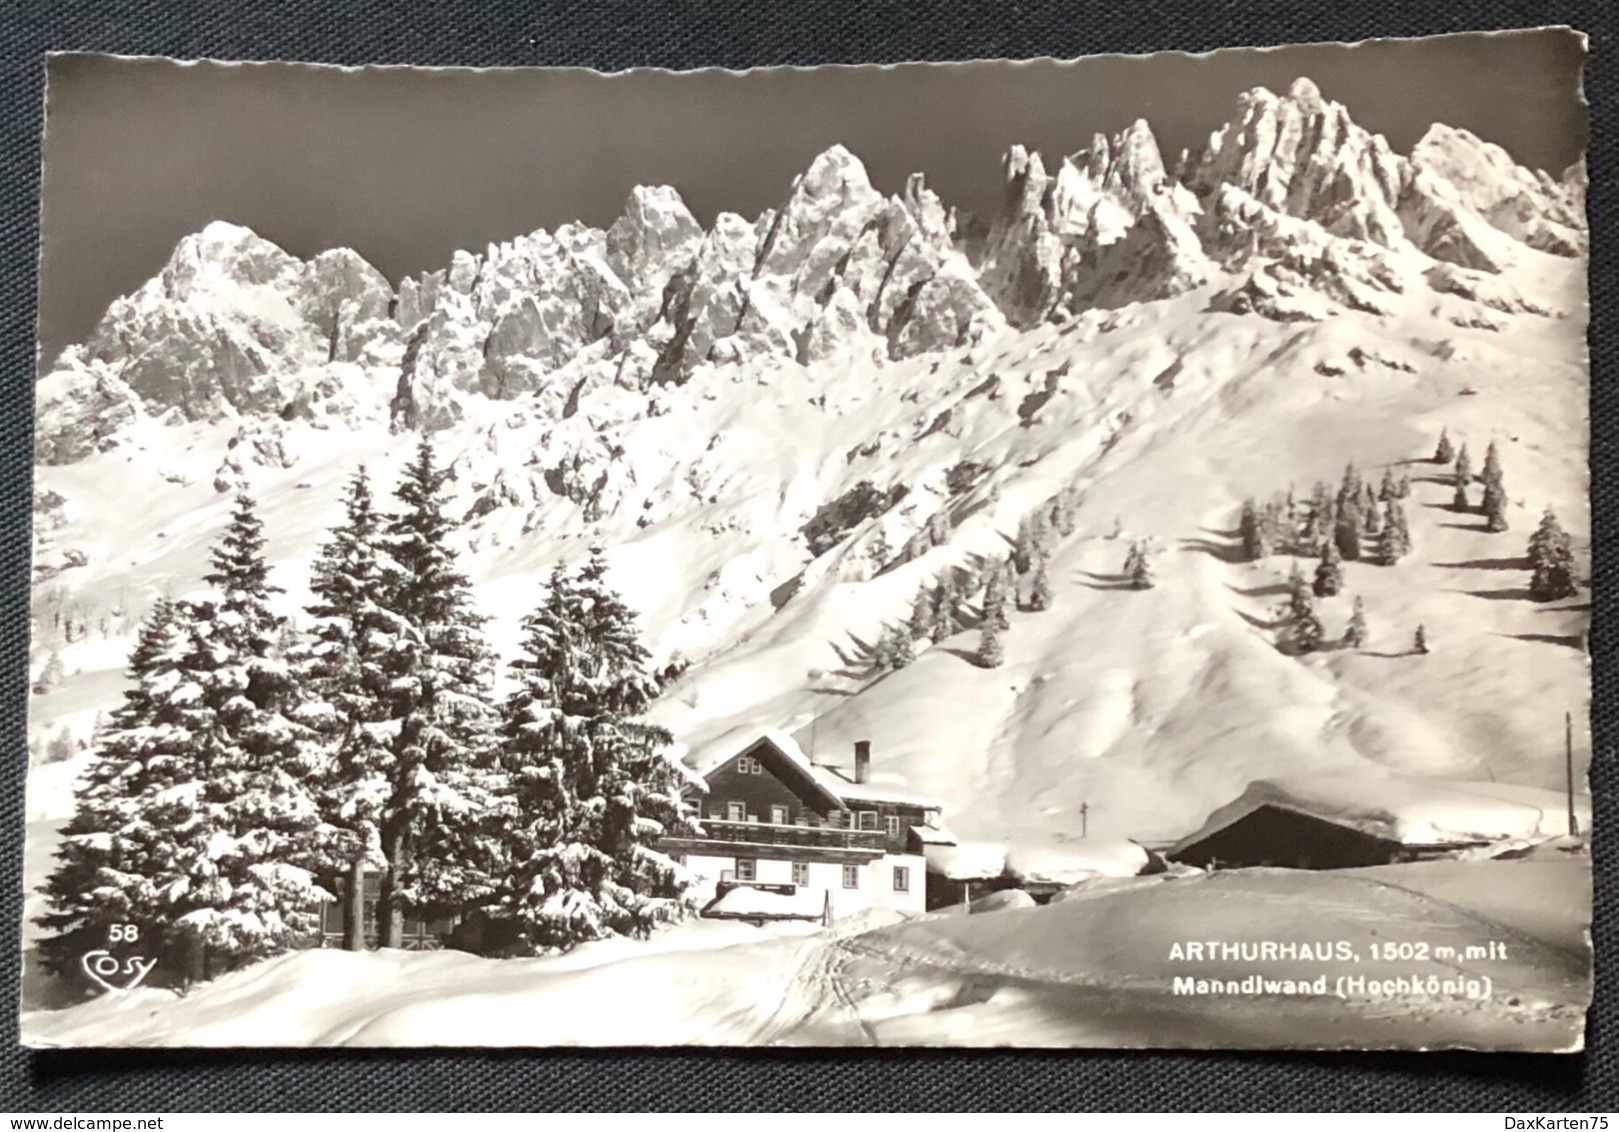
(688, 33)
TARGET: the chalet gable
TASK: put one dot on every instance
(767, 755)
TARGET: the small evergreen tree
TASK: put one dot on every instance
(990, 653)
(1141, 571)
(1491, 472)
(1495, 509)
(1355, 634)
(1419, 642)
(1347, 534)
(902, 652)
(1551, 561)
(51, 675)
(1350, 489)
(1040, 593)
(943, 624)
(1444, 452)
(1387, 490)
(1304, 627)
(1458, 499)
(1255, 545)
(1329, 574)
(1464, 467)
(1394, 516)
(921, 613)
(996, 589)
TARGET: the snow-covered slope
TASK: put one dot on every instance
(1156, 344)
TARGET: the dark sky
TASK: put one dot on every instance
(406, 165)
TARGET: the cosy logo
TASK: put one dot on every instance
(112, 973)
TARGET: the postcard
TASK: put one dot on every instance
(1087, 553)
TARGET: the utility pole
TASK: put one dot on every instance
(1568, 759)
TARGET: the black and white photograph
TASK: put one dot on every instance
(1058, 554)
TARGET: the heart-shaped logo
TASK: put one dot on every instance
(102, 965)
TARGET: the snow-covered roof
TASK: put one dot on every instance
(716, 755)
(889, 791)
(1075, 862)
(1410, 811)
(968, 860)
(933, 835)
(828, 779)
(743, 902)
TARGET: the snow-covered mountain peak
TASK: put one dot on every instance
(227, 253)
(1301, 154)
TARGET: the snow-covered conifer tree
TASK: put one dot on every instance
(1355, 634)
(439, 670)
(1329, 574)
(111, 864)
(1444, 452)
(1551, 561)
(344, 671)
(990, 653)
(1040, 592)
(590, 788)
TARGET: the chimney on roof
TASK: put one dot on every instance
(862, 759)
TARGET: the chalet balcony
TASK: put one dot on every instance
(800, 836)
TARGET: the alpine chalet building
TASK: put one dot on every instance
(786, 838)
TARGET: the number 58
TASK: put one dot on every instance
(123, 933)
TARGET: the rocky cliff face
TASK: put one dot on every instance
(1291, 210)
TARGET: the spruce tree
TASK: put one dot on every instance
(1551, 561)
(1388, 489)
(258, 768)
(1464, 467)
(921, 613)
(943, 624)
(1350, 489)
(197, 815)
(345, 671)
(1495, 509)
(111, 865)
(1255, 546)
(1131, 559)
(1347, 534)
(1355, 634)
(1389, 548)
(1491, 472)
(51, 675)
(439, 670)
(1444, 453)
(1304, 627)
(1395, 515)
(1141, 571)
(1329, 574)
(901, 652)
(990, 653)
(588, 787)
(996, 591)
(1458, 499)
(1494, 505)
(1402, 487)
(1040, 593)
(1419, 642)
